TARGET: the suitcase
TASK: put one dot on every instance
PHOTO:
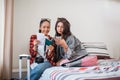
(28, 65)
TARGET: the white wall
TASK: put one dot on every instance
(91, 20)
(1, 31)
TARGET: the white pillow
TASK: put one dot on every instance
(96, 48)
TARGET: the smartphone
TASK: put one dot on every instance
(58, 37)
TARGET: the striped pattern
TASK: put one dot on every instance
(105, 69)
(96, 48)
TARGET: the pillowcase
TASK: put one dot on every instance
(89, 61)
(85, 62)
(96, 48)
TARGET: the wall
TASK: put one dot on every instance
(1, 35)
(91, 20)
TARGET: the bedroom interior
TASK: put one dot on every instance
(91, 21)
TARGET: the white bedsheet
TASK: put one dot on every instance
(105, 69)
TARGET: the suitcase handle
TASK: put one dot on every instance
(28, 65)
(24, 56)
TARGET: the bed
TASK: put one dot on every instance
(104, 70)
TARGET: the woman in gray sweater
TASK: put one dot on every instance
(70, 47)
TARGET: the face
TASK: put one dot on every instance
(45, 28)
(60, 27)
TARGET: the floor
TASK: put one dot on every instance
(15, 75)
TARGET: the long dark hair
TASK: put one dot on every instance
(42, 21)
(66, 28)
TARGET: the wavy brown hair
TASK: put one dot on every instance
(66, 28)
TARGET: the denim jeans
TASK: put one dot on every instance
(36, 73)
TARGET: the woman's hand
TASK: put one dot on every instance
(62, 61)
(50, 48)
(62, 43)
(58, 63)
(36, 42)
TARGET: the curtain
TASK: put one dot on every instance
(7, 50)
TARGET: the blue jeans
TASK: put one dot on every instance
(36, 73)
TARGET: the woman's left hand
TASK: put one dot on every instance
(62, 43)
(50, 48)
(62, 61)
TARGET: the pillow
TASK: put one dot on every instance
(100, 45)
(89, 61)
(96, 48)
(86, 61)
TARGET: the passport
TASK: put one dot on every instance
(48, 42)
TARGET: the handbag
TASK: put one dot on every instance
(39, 59)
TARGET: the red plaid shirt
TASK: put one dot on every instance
(34, 53)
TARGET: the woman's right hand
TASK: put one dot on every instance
(36, 42)
(62, 43)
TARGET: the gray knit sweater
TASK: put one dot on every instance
(75, 49)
